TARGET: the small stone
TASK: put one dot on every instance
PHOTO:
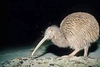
(51, 64)
(21, 62)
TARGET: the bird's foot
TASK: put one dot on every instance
(67, 56)
(64, 56)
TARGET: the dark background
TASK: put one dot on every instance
(28, 19)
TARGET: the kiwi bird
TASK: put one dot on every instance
(77, 31)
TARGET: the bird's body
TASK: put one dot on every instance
(77, 31)
(80, 29)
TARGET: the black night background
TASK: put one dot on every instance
(28, 19)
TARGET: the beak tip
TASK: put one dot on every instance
(40, 43)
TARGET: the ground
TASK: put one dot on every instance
(9, 54)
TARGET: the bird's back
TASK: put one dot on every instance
(80, 29)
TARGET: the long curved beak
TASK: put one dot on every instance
(39, 44)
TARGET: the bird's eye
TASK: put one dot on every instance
(51, 30)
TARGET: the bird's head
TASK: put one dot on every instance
(50, 33)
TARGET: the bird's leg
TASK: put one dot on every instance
(86, 51)
(74, 52)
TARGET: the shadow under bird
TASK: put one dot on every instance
(77, 31)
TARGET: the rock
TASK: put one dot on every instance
(53, 62)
